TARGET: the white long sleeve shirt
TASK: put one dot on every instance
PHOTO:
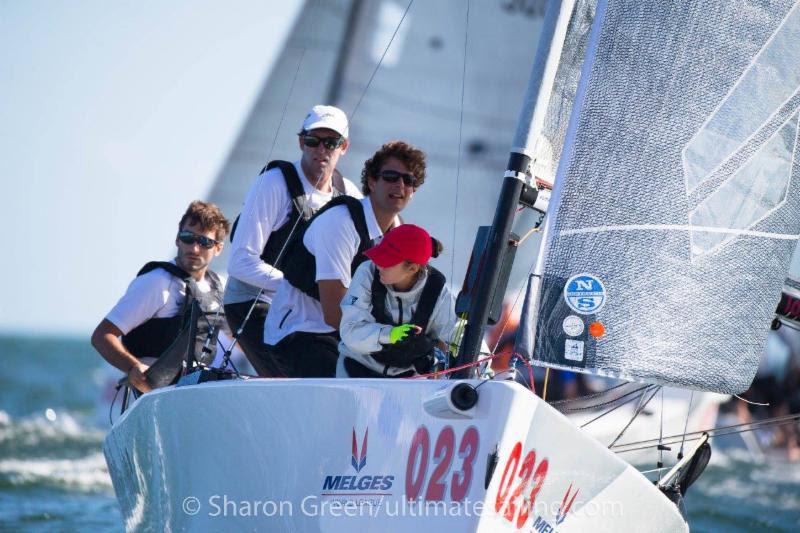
(266, 208)
(333, 241)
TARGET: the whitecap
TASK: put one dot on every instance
(84, 474)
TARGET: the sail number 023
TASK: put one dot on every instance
(444, 450)
(530, 481)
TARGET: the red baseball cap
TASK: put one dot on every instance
(403, 243)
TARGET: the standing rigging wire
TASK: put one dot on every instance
(643, 403)
(661, 446)
(633, 394)
(238, 332)
(588, 397)
(460, 140)
(713, 432)
(274, 140)
(636, 394)
(460, 329)
(380, 61)
(686, 425)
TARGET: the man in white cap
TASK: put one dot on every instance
(302, 327)
(282, 199)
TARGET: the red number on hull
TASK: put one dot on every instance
(444, 450)
(420, 447)
(530, 475)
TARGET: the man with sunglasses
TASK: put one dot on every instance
(282, 199)
(302, 326)
(148, 318)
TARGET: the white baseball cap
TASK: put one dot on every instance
(326, 116)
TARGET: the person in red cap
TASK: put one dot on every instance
(396, 310)
(302, 327)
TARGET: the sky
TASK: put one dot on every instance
(115, 115)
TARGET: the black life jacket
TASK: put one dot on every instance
(168, 338)
(277, 239)
(427, 300)
(416, 350)
(300, 265)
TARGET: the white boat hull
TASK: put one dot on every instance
(368, 455)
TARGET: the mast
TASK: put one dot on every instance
(516, 186)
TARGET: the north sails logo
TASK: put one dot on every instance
(359, 461)
(565, 505)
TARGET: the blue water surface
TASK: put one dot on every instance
(55, 395)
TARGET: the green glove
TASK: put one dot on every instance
(400, 332)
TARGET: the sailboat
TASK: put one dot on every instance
(672, 198)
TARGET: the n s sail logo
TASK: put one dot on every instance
(585, 294)
(344, 485)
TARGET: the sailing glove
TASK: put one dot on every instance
(415, 349)
(400, 332)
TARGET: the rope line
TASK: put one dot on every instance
(714, 432)
(460, 141)
(380, 61)
(642, 405)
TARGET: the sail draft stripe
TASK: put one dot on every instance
(747, 107)
(679, 227)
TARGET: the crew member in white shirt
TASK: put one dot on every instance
(302, 325)
(270, 215)
(148, 317)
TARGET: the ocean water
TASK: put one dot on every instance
(54, 415)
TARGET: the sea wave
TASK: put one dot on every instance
(53, 449)
(87, 474)
(49, 427)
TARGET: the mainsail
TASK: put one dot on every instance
(677, 201)
(396, 67)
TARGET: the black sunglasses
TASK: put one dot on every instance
(330, 143)
(187, 237)
(391, 176)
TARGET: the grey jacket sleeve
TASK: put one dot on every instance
(358, 329)
(443, 324)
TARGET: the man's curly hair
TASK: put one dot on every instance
(208, 216)
(411, 157)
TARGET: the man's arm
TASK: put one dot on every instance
(331, 292)
(266, 205)
(106, 340)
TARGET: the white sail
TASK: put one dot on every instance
(677, 200)
(415, 95)
(299, 79)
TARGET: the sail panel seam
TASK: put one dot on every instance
(678, 227)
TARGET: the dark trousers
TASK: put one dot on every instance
(252, 338)
(308, 355)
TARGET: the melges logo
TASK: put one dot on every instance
(566, 505)
(358, 460)
(540, 525)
